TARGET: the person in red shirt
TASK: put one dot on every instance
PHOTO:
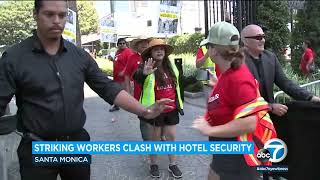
(119, 64)
(235, 86)
(200, 59)
(307, 58)
(208, 69)
(159, 78)
(138, 45)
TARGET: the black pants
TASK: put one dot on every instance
(29, 171)
(232, 166)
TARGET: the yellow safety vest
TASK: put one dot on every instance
(148, 96)
(263, 132)
(208, 62)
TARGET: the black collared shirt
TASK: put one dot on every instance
(260, 76)
(49, 88)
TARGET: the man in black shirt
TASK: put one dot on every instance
(47, 76)
(266, 68)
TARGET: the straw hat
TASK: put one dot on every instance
(134, 43)
(157, 42)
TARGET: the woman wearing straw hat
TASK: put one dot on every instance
(159, 78)
(235, 90)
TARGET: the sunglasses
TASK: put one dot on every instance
(259, 37)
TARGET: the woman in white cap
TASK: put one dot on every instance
(159, 78)
(235, 90)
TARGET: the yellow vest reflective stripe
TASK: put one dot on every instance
(148, 91)
(264, 129)
(176, 73)
(148, 97)
(208, 63)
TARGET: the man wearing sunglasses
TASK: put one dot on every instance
(265, 67)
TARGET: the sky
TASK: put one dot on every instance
(103, 7)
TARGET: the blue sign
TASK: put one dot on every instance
(138, 147)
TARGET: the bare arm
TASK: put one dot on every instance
(129, 103)
(233, 128)
(213, 78)
(308, 64)
(202, 60)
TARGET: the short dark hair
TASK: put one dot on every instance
(121, 39)
(308, 43)
(38, 4)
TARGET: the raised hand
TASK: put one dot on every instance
(157, 108)
(148, 67)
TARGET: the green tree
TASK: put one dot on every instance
(274, 15)
(186, 43)
(88, 17)
(306, 26)
(16, 21)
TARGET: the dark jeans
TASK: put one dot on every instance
(29, 171)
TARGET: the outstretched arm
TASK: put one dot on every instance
(233, 128)
(129, 103)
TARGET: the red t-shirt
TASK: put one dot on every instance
(200, 54)
(120, 62)
(166, 91)
(132, 66)
(307, 56)
(233, 89)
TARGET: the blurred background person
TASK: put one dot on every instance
(307, 65)
(119, 64)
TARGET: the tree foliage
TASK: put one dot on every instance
(306, 26)
(16, 21)
(186, 43)
(274, 16)
(88, 17)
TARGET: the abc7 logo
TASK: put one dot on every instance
(274, 150)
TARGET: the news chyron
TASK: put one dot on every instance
(275, 150)
(77, 152)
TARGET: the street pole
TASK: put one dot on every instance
(291, 30)
(72, 4)
(206, 29)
